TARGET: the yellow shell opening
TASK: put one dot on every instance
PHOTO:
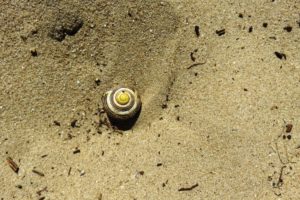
(123, 98)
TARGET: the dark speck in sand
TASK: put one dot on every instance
(280, 55)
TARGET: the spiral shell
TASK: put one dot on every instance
(121, 103)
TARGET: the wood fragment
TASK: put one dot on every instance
(220, 32)
(38, 172)
(289, 128)
(192, 56)
(188, 188)
(12, 165)
(195, 64)
(69, 172)
(279, 55)
(197, 31)
(77, 150)
(280, 178)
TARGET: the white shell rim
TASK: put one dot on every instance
(128, 109)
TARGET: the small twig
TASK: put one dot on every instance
(76, 150)
(188, 188)
(197, 31)
(12, 164)
(280, 180)
(69, 172)
(38, 172)
(195, 64)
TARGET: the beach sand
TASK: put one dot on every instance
(219, 81)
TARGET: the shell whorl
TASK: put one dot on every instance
(121, 103)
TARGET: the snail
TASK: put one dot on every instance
(121, 103)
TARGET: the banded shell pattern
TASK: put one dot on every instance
(121, 103)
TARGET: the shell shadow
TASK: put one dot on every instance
(125, 125)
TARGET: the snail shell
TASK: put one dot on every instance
(121, 103)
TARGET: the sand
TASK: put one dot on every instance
(221, 109)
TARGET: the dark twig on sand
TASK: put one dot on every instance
(38, 172)
(196, 64)
(280, 178)
(12, 164)
(69, 172)
(188, 188)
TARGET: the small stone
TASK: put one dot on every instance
(97, 81)
(289, 128)
(19, 186)
(288, 28)
(250, 30)
(73, 124)
(82, 172)
(280, 55)
(57, 123)
(33, 52)
(265, 25)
